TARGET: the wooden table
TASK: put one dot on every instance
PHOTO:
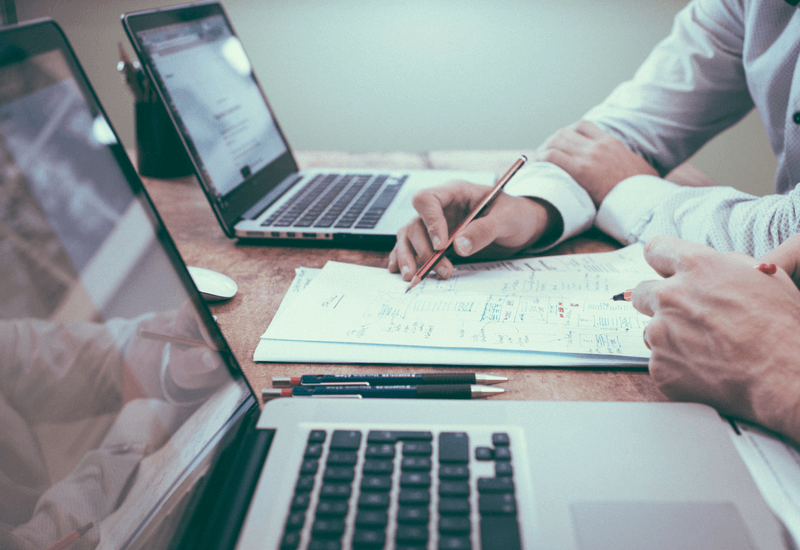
(264, 273)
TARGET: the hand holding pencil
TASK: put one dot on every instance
(505, 226)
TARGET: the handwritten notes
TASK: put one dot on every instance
(553, 304)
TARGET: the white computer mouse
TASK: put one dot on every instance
(213, 286)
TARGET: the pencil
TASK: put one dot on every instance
(423, 271)
(175, 339)
(623, 296)
(71, 538)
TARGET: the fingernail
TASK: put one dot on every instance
(405, 269)
(436, 242)
(441, 271)
(464, 245)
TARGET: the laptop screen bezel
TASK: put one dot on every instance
(229, 208)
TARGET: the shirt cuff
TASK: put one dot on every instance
(628, 208)
(548, 182)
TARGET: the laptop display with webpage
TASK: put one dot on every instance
(241, 157)
(127, 423)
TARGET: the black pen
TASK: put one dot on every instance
(448, 391)
(386, 379)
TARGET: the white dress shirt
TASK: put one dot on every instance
(722, 58)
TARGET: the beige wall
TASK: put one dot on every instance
(425, 74)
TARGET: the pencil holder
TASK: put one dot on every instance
(160, 152)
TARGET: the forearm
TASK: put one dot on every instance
(689, 89)
(721, 217)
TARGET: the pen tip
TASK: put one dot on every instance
(618, 297)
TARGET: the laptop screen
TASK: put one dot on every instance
(209, 83)
(205, 79)
(114, 381)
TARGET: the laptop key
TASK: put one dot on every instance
(458, 543)
(415, 479)
(290, 540)
(411, 533)
(339, 473)
(332, 508)
(337, 491)
(384, 450)
(363, 538)
(322, 544)
(454, 525)
(497, 504)
(329, 527)
(413, 514)
(304, 484)
(453, 447)
(416, 463)
(500, 532)
(372, 518)
(343, 458)
(347, 440)
(414, 496)
(376, 483)
(454, 472)
(500, 439)
(373, 500)
(495, 485)
(454, 506)
(454, 489)
(295, 521)
(380, 467)
(419, 448)
(384, 436)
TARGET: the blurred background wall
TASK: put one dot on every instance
(414, 75)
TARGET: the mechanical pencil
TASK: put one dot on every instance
(448, 391)
(386, 379)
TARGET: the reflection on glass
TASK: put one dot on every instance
(110, 384)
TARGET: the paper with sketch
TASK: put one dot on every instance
(512, 308)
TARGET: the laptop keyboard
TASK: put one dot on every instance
(406, 490)
(335, 200)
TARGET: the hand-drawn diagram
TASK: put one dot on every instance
(504, 309)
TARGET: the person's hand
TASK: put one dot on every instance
(594, 159)
(190, 367)
(724, 333)
(508, 225)
(787, 257)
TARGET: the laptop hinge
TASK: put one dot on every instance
(222, 507)
(266, 201)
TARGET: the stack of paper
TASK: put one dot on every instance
(547, 311)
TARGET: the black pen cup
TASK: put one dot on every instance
(160, 152)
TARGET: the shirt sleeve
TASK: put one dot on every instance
(548, 182)
(724, 218)
(690, 88)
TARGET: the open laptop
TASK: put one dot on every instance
(127, 423)
(242, 159)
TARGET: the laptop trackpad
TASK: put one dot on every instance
(659, 525)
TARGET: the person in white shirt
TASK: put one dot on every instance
(722, 58)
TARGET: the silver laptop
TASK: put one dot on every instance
(242, 159)
(127, 423)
